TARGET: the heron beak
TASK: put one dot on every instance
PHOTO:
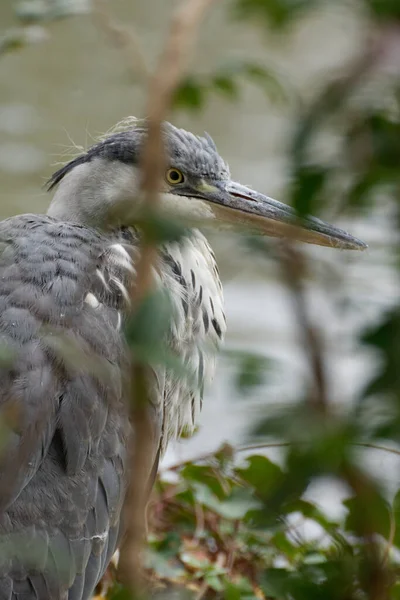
(236, 203)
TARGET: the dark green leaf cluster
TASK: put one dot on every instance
(146, 333)
(277, 13)
(281, 13)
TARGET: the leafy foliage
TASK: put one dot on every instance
(194, 91)
(384, 9)
(209, 534)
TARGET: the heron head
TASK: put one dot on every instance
(102, 185)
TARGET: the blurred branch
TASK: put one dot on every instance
(336, 94)
(294, 267)
(364, 490)
(363, 487)
(207, 455)
(263, 446)
(123, 38)
(171, 68)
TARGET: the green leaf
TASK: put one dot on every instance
(226, 85)
(262, 474)
(119, 592)
(268, 80)
(365, 185)
(385, 338)
(384, 9)
(238, 504)
(226, 77)
(146, 333)
(233, 507)
(309, 181)
(190, 94)
(205, 496)
(241, 589)
(274, 583)
(310, 511)
(206, 475)
(251, 371)
(368, 514)
(395, 592)
(214, 582)
(167, 545)
(163, 565)
(161, 228)
(232, 592)
(278, 13)
(151, 320)
(284, 545)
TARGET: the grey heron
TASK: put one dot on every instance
(64, 276)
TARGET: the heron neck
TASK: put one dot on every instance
(96, 194)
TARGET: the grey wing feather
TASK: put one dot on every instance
(62, 472)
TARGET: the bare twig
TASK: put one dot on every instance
(265, 446)
(202, 591)
(232, 548)
(362, 486)
(124, 38)
(173, 65)
(364, 491)
(171, 68)
(208, 455)
(293, 269)
(199, 513)
(204, 588)
(377, 447)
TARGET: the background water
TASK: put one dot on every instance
(72, 84)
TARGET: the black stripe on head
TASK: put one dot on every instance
(123, 146)
(194, 155)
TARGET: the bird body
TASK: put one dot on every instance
(63, 300)
(63, 467)
(65, 286)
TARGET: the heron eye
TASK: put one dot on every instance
(174, 176)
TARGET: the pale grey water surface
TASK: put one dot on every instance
(72, 85)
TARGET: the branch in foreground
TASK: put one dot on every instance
(293, 266)
(171, 69)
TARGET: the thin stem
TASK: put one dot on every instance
(124, 38)
(144, 446)
(293, 267)
(264, 446)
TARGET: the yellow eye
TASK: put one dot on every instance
(174, 176)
